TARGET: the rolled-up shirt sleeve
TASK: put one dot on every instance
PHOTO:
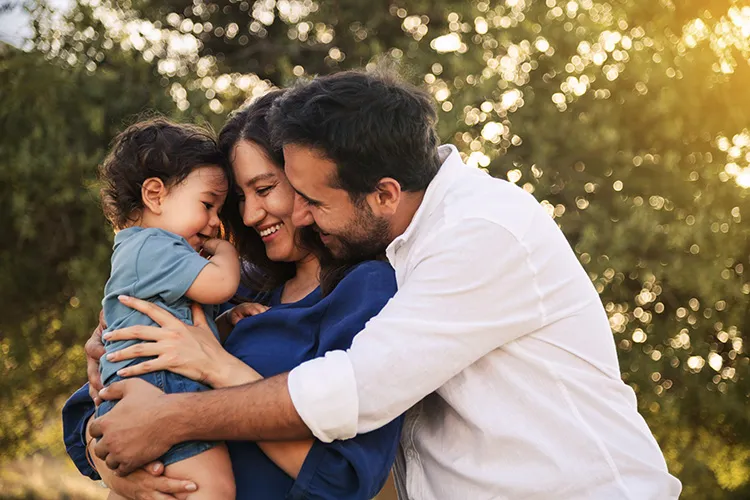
(75, 414)
(471, 289)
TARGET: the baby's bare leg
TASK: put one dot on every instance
(210, 470)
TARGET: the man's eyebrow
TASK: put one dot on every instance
(307, 198)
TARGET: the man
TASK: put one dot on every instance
(496, 341)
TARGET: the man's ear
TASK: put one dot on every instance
(385, 199)
(153, 192)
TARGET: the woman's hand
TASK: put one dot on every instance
(191, 351)
(94, 350)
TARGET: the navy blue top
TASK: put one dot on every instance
(275, 342)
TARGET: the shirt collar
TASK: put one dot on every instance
(435, 193)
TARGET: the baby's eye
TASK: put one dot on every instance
(209, 206)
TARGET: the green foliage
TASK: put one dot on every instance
(628, 120)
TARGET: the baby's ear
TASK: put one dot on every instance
(153, 192)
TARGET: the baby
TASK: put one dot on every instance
(164, 185)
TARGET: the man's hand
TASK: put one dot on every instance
(136, 431)
(94, 349)
(147, 483)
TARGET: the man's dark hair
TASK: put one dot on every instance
(156, 147)
(261, 274)
(371, 125)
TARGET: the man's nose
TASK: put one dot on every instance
(301, 215)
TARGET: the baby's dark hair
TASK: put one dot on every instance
(156, 147)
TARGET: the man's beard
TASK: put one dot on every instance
(365, 238)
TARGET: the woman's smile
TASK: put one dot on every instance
(267, 233)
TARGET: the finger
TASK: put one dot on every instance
(114, 391)
(112, 463)
(142, 350)
(123, 470)
(95, 429)
(156, 469)
(168, 485)
(102, 321)
(152, 365)
(138, 332)
(199, 316)
(95, 378)
(100, 447)
(94, 348)
(94, 394)
(162, 317)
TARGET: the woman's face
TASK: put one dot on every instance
(266, 201)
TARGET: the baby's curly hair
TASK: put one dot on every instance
(156, 147)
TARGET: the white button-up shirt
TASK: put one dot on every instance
(498, 345)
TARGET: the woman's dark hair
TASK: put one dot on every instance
(370, 124)
(259, 273)
(156, 147)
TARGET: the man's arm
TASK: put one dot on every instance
(134, 432)
(471, 290)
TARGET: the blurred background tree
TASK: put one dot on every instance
(628, 120)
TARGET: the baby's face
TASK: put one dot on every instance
(191, 208)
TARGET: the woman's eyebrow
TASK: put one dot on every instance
(260, 177)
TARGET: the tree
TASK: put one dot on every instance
(627, 120)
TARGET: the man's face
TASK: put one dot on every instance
(349, 230)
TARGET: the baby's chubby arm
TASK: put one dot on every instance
(218, 281)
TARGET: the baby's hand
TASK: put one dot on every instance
(244, 310)
(216, 246)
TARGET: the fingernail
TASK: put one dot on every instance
(155, 467)
(110, 356)
(191, 487)
(107, 335)
(123, 298)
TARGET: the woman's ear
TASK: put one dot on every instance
(385, 199)
(153, 192)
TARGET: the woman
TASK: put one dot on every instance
(309, 305)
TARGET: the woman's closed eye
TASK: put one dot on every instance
(265, 190)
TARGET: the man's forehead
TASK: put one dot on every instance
(308, 166)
